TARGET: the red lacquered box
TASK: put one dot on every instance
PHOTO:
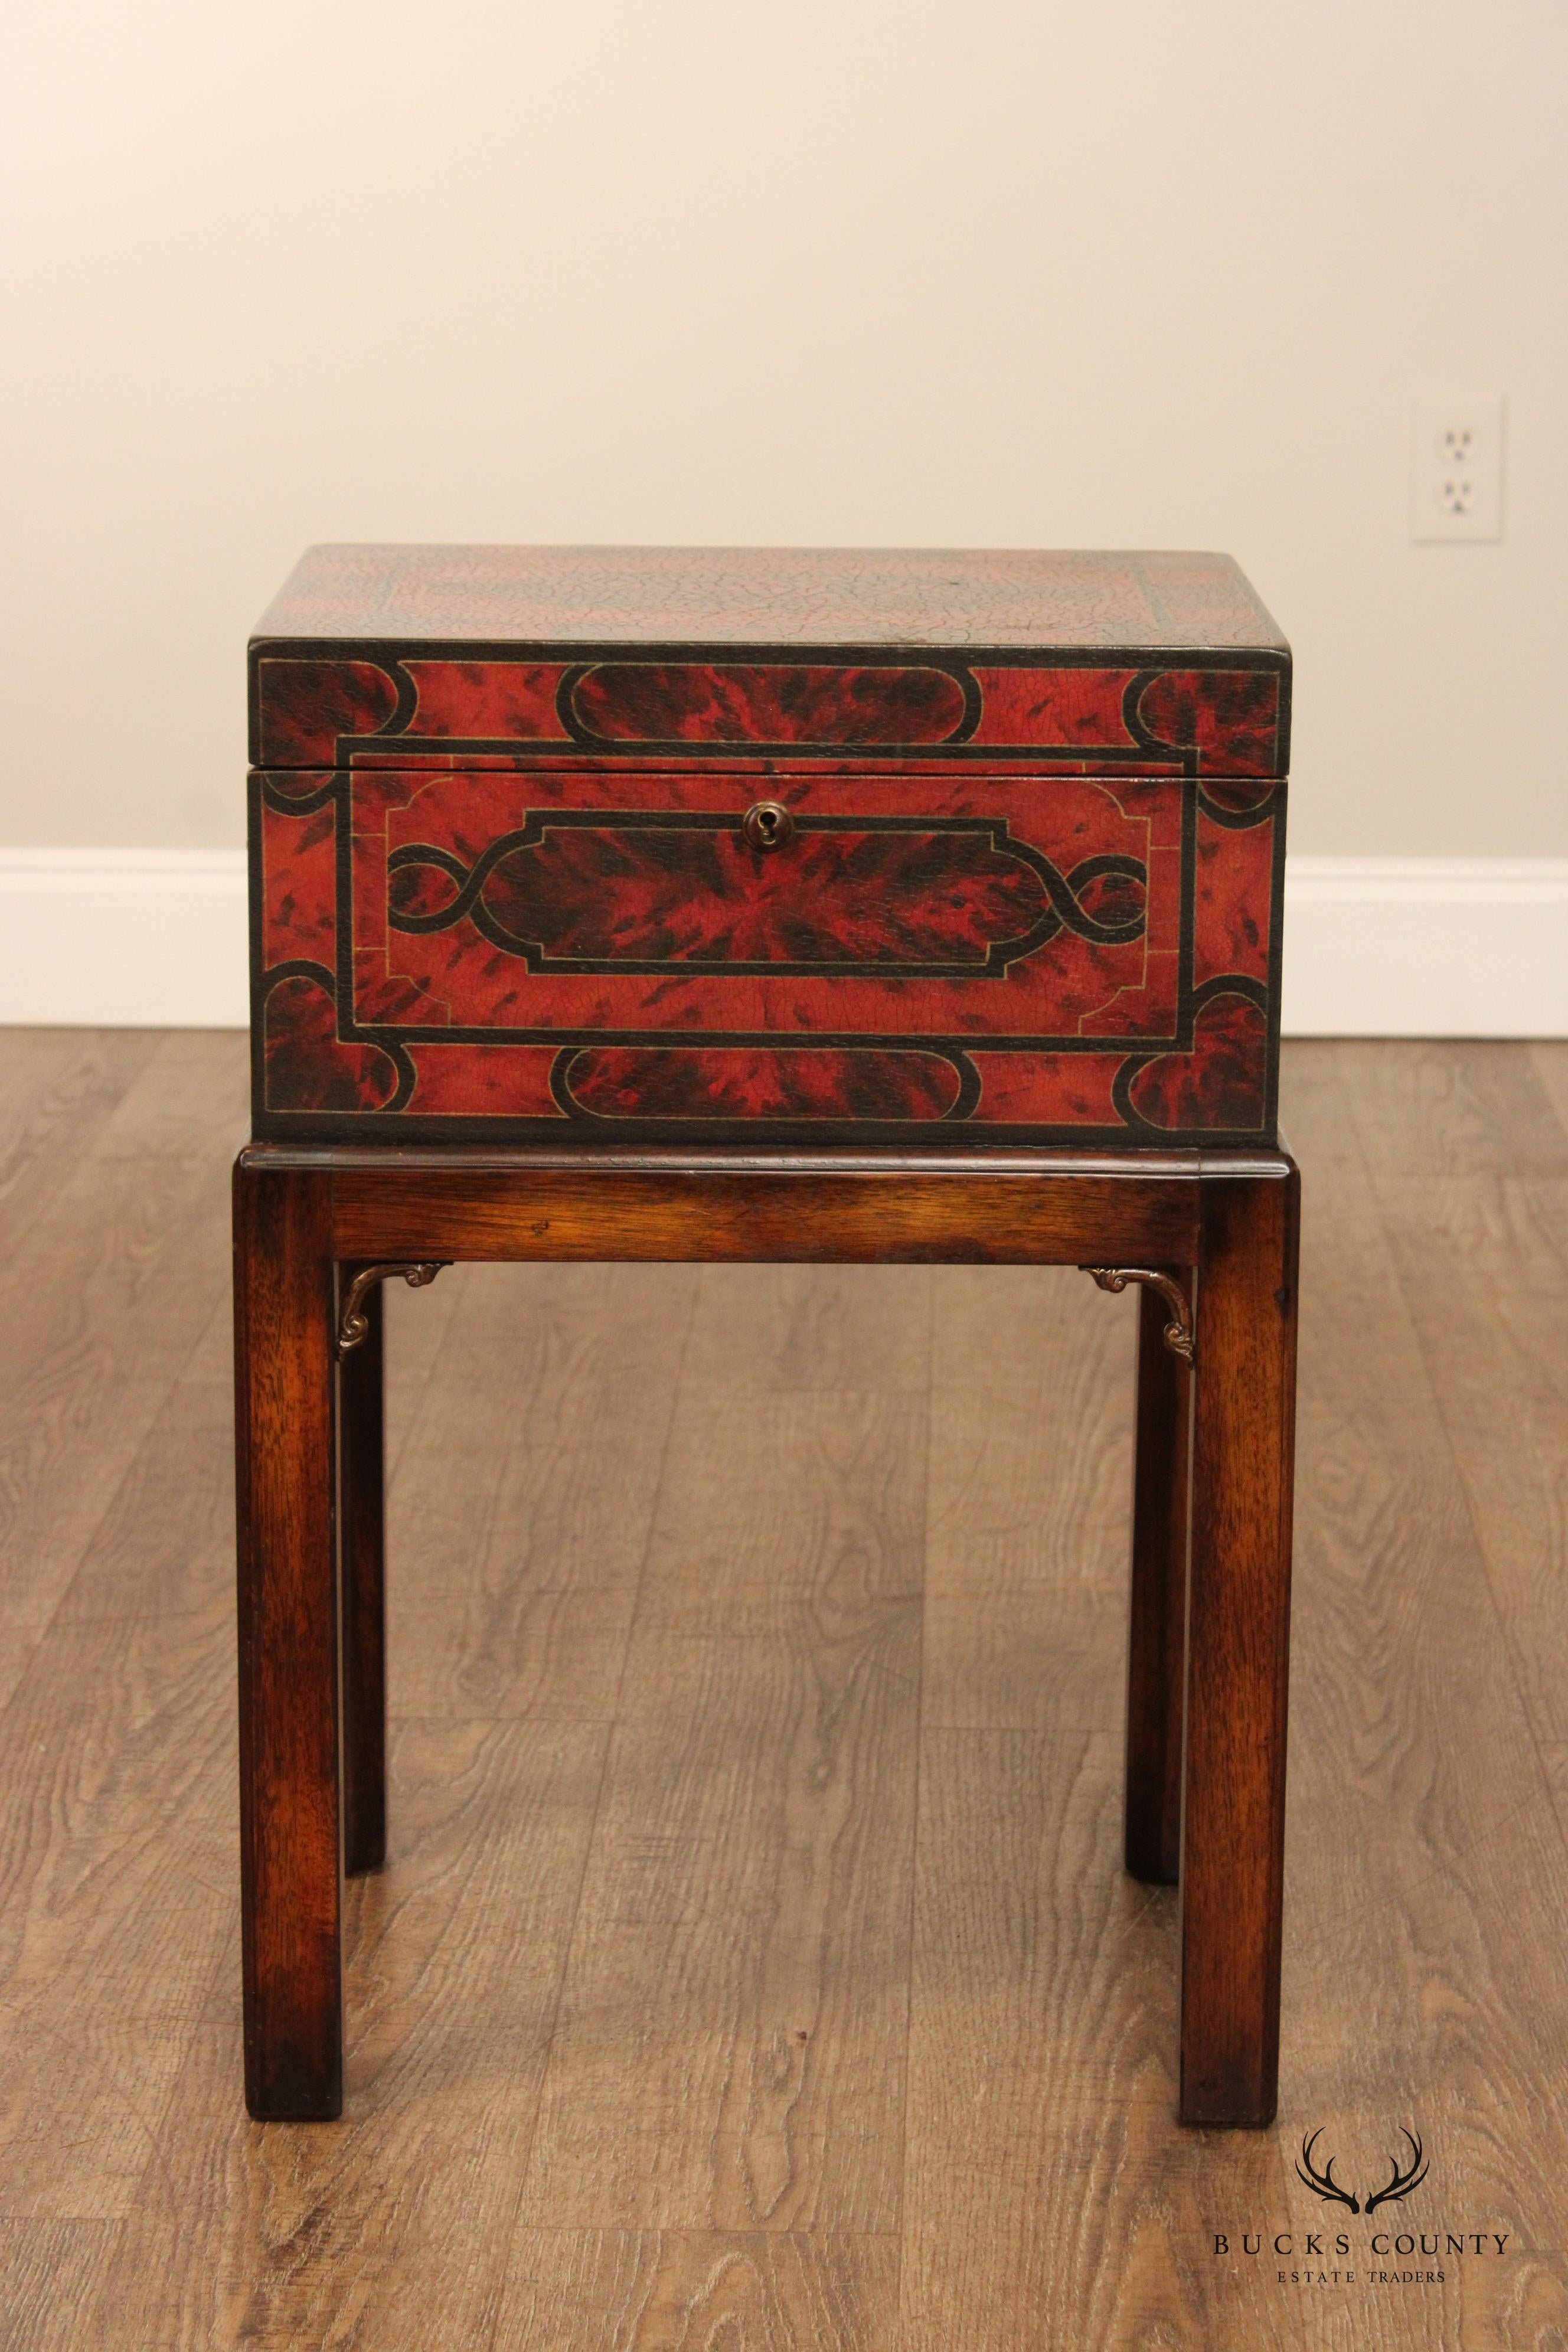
(696, 844)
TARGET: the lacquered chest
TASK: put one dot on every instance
(804, 845)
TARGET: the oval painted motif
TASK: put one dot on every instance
(901, 898)
(898, 900)
(767, 703)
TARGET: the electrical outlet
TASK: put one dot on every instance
(1456, 474)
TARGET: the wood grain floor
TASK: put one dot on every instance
(754, 1967)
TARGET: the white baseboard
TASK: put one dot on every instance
(124, 938)
(1375, 946)
(1426, 947)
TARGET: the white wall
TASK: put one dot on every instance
(1116, 273)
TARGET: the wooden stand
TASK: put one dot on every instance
(316, 1230)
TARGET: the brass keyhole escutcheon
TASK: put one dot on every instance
(767, 824)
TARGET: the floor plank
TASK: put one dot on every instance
(116, 1855)
(367, 2232)
(765, 1330)
(1433, 1882)
(1483, 1268)
(164, 1544)
(133, 1257)
(1517, 2304)
(1549, 1062)
(1049, 2199)
(1028, 1515)
(511, 1584)
(189, 1100)
(671, 2291)
(1432, 1106)
(728, 2051)
(124, 1270)
(48, 2270)
(58, 1087)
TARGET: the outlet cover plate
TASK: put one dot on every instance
(1455, 469)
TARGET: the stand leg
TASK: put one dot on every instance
(362, 1571)
(1238, 1649)
(285, 1379)
(1158, 1634)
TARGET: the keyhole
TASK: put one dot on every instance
(767, 825)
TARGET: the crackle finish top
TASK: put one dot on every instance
(840, 596)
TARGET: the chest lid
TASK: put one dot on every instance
(1146, 663)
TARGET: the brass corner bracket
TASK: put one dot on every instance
(355, 1324)
(1179, 1330)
